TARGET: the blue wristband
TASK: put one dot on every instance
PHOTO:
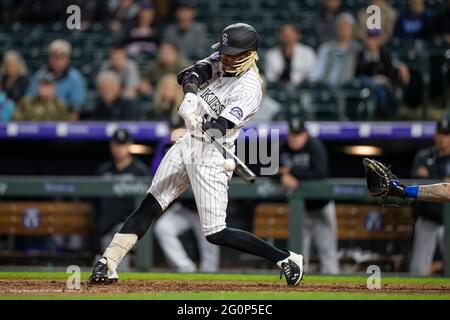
(411, 191)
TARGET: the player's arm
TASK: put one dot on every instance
(439, 192)
(190, 79)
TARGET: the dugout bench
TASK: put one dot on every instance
(264, 188)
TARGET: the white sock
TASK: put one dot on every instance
(118, 248)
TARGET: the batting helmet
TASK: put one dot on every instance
(237, 38)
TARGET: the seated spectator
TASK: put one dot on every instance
(376, 68)
(70, 83)
(388, 18)
(336, 59)
(167, 98)
(413, 23)
(111, 105)
(190, 36)
(7, 107)
(114, 210)
(143, 36)
(125, 68)
(14, 76)
(121, 14)
(167, 61)
(45, 106)
(324, 23)
(291, 62)
(269, 109)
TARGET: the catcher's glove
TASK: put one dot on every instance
(381, 182)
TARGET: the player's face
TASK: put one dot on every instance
(120, 151)
(442, 142)
(297, 141)
(229, 61)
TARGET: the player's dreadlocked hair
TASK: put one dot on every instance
(244, 64)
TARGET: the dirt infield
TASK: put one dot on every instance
(30, 287)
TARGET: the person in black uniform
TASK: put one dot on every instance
(303, 157)
(430, 163)
(113, 211)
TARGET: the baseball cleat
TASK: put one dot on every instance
(102, 275)
(292, 267)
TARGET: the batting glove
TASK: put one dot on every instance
(188, 106)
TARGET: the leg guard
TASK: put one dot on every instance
(141, 219)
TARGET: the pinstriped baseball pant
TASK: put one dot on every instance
(192, 162)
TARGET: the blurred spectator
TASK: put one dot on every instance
(45, 106)
(14, 75)
(7, 107)
(167, 98)
(441, 22)
(70, 83)
(168, 61)
(413, 23)
(336, 59)
(323, 27)
(290, 62)
(111, 105)
(304, 157)
(125, 68)
(430, 163)
(191, 37)
(114, 210)
(377, 69)
(143, 36)
(121, 14)
(269, 109)
(388, 18)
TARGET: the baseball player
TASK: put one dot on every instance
(221, 93)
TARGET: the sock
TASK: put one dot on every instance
(118, 248)
(247, 242)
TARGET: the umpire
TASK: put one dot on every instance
(430, 163)
(303, 157)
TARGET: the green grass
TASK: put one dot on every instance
(237, 296)
(229, 277)
(369, 295)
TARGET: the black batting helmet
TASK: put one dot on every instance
(237, 38)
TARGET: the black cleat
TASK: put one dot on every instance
(292, 267)
(101, 274)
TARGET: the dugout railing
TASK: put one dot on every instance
(14, 187)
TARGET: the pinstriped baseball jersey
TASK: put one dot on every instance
(197, 163)
(234, 98)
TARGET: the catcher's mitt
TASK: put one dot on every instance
(381, 182)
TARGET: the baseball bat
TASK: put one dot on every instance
(241, 169)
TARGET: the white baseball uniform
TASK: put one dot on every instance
(195, 161)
